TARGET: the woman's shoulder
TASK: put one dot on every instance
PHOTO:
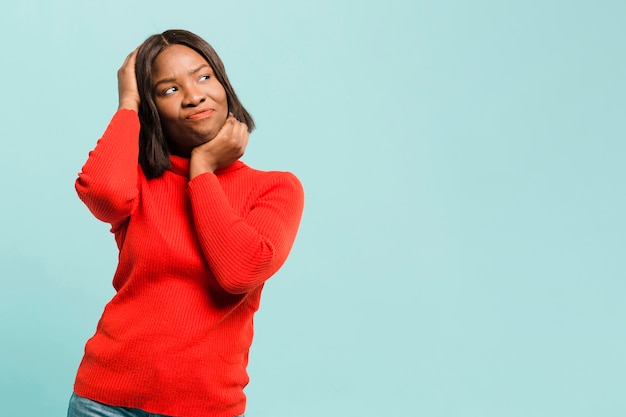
(270, 177)
(263, 173)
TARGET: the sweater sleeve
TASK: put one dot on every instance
(243, 252)
(107, 183)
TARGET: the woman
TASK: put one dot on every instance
(198, 232)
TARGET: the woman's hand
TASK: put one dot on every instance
(127, 84)
(221, 151)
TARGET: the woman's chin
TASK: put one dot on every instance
(205, 139)
(183, 147)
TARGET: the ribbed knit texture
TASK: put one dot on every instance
(194, 255)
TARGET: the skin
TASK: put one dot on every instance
(193, 108)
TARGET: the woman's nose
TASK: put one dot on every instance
(193, 97)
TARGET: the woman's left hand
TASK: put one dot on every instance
(127, 83)
(228, 146)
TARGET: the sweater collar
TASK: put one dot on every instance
(180, 166)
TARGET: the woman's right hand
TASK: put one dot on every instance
(221, 151)
(127, 84)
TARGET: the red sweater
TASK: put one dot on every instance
(193, 257)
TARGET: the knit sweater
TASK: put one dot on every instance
(193, 258)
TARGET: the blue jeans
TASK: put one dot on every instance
(84, 407)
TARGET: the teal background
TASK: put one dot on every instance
(462, 247)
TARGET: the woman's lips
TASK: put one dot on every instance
(201, 114)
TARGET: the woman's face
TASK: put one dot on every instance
(191, 101)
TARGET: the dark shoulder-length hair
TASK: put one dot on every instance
(154, 154)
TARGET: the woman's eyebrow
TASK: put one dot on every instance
(201, 67)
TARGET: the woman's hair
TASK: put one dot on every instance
(153, 148)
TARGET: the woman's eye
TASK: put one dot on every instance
(169, 91)
(205, 77)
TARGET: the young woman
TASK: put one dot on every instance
(198, 232)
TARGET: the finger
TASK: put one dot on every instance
(131, 58)
(243, 128)
(242, 134)
(244, 143)
(235, 131)
(245, 140)
(227, 129)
